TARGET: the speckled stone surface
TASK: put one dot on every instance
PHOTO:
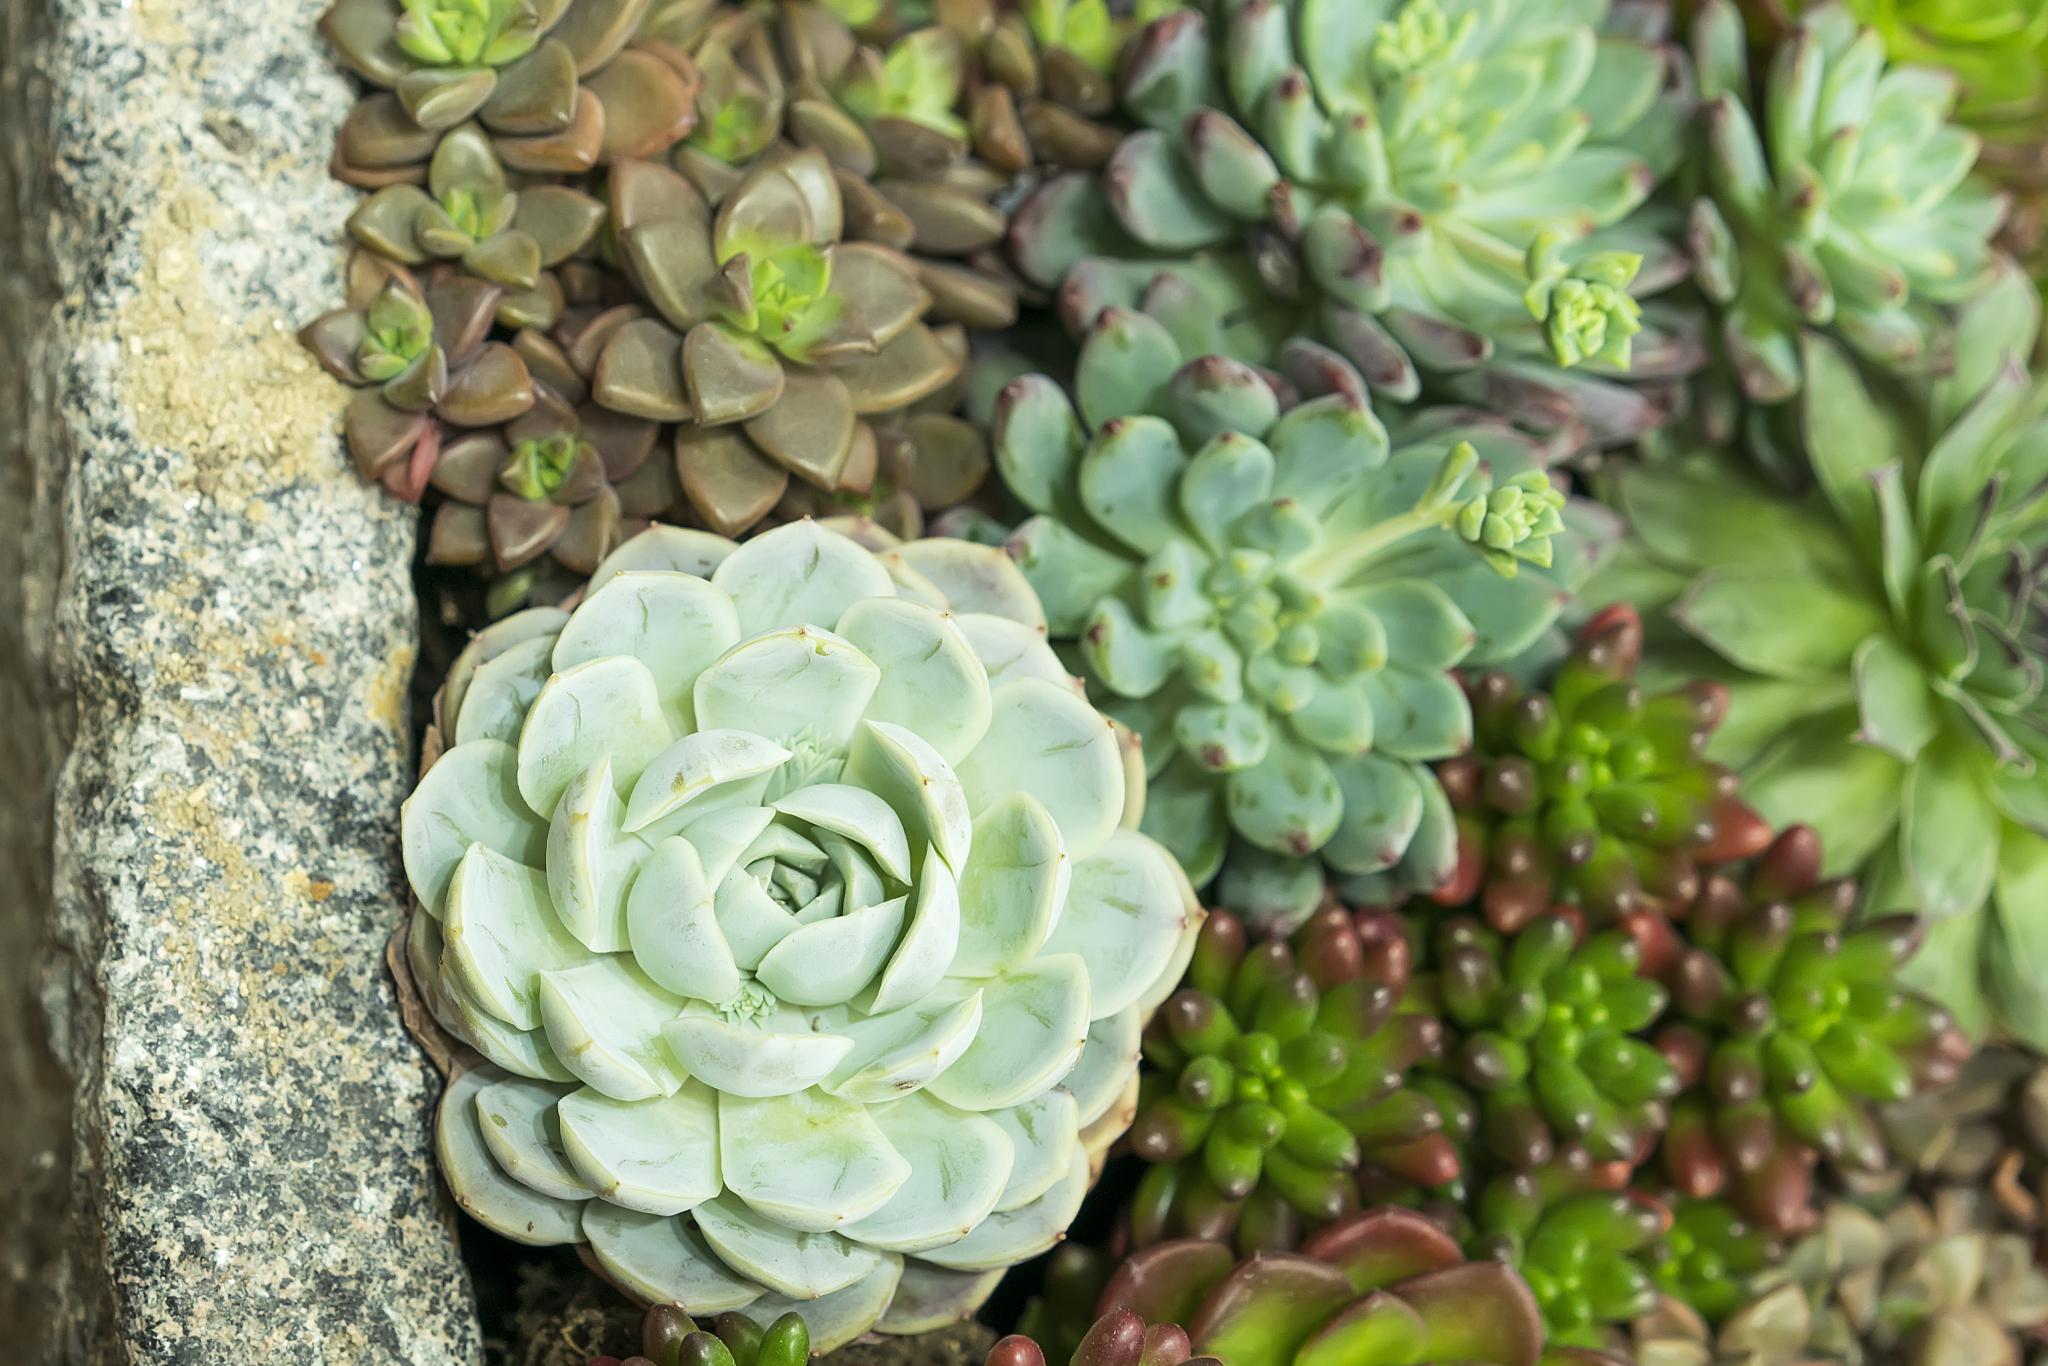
(227, 652)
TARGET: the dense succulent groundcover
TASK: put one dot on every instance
(1396, 643)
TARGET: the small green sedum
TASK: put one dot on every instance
(791, 899)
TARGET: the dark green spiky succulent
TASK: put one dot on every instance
(422, 355)
(1841, 202)
(1543, 1027)
(1791, 1026)
(1275, 600)
(670, 1337)
(1593, 794)
(470, 213)
(1586, 1251)
(560, 86)
(1278, 1073)
(1381, 1287)
(1879, 636)
(1421, 187)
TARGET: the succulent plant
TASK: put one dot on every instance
(1420, 186)
(670, 1337)
(794, 996)
(1544, 1027)
(560, 86)
(1924, 1285)
(421, 353)
(1586, 1249)
(1841, 202)
(1275, 602)
(1879, 637)
(1592, 795)
(1381, 1287)
(1987, 1131)
(769, 336)
(470, 213)
(1705, 1261)
(1276, 1074)
(1792, 1026)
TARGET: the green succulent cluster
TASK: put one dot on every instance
(1879, 637)
(1546, 1030)
(1790, 1027)
(1278, 1074)
(1840, 202)
(1708, 1258)
(1586, 1251)
(670, 1337)
(1593, 794)
(1441, 193)
(1274, 600)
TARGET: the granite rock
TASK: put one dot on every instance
(220, 667)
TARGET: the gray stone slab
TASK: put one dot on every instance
(221, 668)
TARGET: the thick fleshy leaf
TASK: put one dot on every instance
(1126, 361)
(470, 796)
(1266, 1309)
(486, 1194)
(975, 578)
(1949, 829)
(1896, 709)
(1288, 802)
(1037, 441)
(932, 684)
(898, 766)
(673, 623)
(1776, 625)
(663, 1260)
(658, 1156)
(1013, 887)
(1478, 1312)
(673, 930)
(607, 708)
(516, 1117)
(1044, 740)
(603, 1019)
(797, 685)
(834, 1320)
(959, 1164)
(501, 691)
(1417, 714)
(1424, 628)
(801, 1265)
(673, 549)
(828, 961)
(860, 816)
(1122, 917)
(799, 575)
(929, 1298)
(1108, 1063)
(1034, 1024)
(1378, 1327)
(1043, 1133)
(809, 1161)
(1379, 1248)
(1128, 479)
(695, 767)
(591, 860)
(524, 1053)
(775, 1055)
(895, 1054)
(1006, 1238)
(1383, 800)
(501, 932)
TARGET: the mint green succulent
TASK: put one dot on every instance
(1435, 189)
(1275, 602)
(791, 896)
(1881, 639)
(1842, 203)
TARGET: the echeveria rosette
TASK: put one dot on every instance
(1381, 1287)
(1545, 1027)
(1842, 202)
(422, 354)
(1279, 1074)
(1586, 1248)
(771, 339)
(1275, 601)
(1436, 191)
(794, 996)
(1789, 1027)
(1879, 639)
(470, 213)
(560, 86)
(1592, 794)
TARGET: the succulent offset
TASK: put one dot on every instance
(1277, 1074)
(1274, 601)
(794, 996)
(1791, 1027)
(1420, 186)
(1842, 203)
(1592, 794)
(1879, 639)
(1381, 1287)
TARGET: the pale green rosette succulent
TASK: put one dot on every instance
(1389, 179)
(1842, 201)
(788, 890)
(1882, 642)
(1276, 602)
